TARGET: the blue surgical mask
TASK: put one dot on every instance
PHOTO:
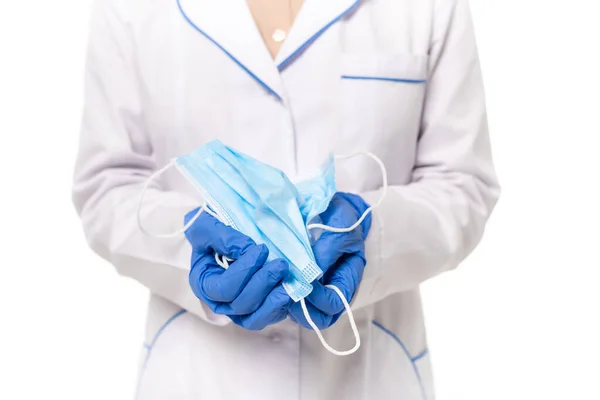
(261, 202)
(316, 192)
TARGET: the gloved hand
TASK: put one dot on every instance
(341, 256)
(249, 291)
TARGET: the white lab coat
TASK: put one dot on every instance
(399, 78)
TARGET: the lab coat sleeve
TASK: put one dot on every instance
(115, 159)
(430, 225)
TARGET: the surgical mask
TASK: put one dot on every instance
(261, 202)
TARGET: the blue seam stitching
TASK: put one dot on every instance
(375, 78)
(397, 339)
(263, 84)
(314, 37)
(149, 347)
(161, 330)
(420, 355)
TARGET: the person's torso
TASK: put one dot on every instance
(350, 77)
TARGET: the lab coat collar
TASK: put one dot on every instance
(314, 19)
(230, 26)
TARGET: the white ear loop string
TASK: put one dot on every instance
(334, 288)
(368, 210)
(320, 335)
(223, 261)
(139, 211)
(152, 178)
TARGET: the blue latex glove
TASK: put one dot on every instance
(341, 256)
(249, 292)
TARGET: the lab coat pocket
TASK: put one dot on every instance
(381, 99)
(395, 68)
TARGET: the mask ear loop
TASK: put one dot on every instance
(320, 335)
(368, 210)
(220, 260)
(333, 287)
(151, 179)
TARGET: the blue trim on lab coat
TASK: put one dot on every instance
(420, 355)
(314, 37)
(405, 350)
(256, 78)
(150, 346)
(378, 78)
(159, 332)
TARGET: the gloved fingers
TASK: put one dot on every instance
(259, 286)
(204, 264)
(350, 268)
(340, 213)
(321, 320)
(272, 310)
(346, 276)
(361, 206)
(225, 286)
(344, 210)
(326, 300)
(208, 233)
(330, 247)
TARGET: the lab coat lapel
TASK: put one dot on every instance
(230, 26)
(314, 19)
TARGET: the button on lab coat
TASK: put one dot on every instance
(398, 78)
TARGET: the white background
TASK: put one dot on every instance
(520, 319)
